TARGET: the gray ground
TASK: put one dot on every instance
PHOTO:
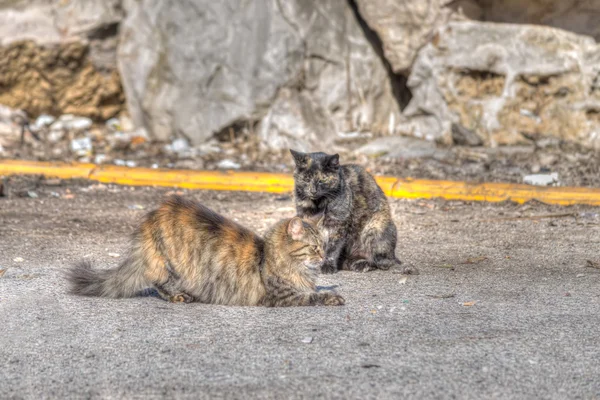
(531, 331)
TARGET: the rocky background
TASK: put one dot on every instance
(233, 83)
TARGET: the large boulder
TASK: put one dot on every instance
(506, 83)
(297, 71)
(403, 26)
(59, 57)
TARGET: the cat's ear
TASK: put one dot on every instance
(295, 228)
(315, 220)
(333, 161)
(301, 159)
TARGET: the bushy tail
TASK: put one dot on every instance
(124, 281)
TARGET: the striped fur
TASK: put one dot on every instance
(190, 253)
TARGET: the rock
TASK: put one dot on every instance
(483, 75)
(100, 158)
(465, 137)
(60, 57)
(10, 125)
(41, 122)
(179, 145)
(403, 26)
(228, 164)
(399, 147)
(252, 63)
(542, 179)
(81, 146)
(69, 122)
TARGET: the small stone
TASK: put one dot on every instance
(154, 166)
(115, 255)
(307, 340)
(18, 259)
(403, 280)
(127, 125)
(113, 124)
(99, 158)
(542, 179)
(136, 207)
(119, 162)
(81, 146)
(55, 136)
(71, 122)
(179, 145)
(465, 137)
(30, 193)
(228, 164)
(130, 163)
(42, 121)
(399, 147)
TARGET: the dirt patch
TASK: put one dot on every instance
(478, 84)
(58, 79)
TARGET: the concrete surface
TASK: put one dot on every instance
(532, 331)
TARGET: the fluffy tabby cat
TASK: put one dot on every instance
(359, 234)
(190, 253)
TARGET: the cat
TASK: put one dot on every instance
(187, 252)
(357, 227)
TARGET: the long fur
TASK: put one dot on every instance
(187, 252)
(126, 280)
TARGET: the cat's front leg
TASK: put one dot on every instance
(333, 250)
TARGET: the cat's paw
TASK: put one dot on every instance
(362, 266)
(332, 299)
(328, 268)
(181, 298)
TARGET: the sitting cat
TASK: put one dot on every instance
(357, 227)
(190, 253)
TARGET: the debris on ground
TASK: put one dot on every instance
(82, 146)
(18, 259)
(28, 193)
(442, 296)
(475, 260)
(469, 303)
(403, 280)
(117, 141)
(228, 164)
(542, 179)
(307, 340)
(592, 264)
(2, 272)
(114, 255)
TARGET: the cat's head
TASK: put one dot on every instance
(317, 174)
(304, 244)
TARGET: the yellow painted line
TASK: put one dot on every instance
(281, 183)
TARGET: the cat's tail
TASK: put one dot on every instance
(124, 281)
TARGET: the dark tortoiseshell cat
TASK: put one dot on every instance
(190, 253)
(357, 227)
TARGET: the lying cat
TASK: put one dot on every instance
(190, 253)
(357, 227)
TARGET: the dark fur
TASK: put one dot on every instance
(190, 253)
(357, 226)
